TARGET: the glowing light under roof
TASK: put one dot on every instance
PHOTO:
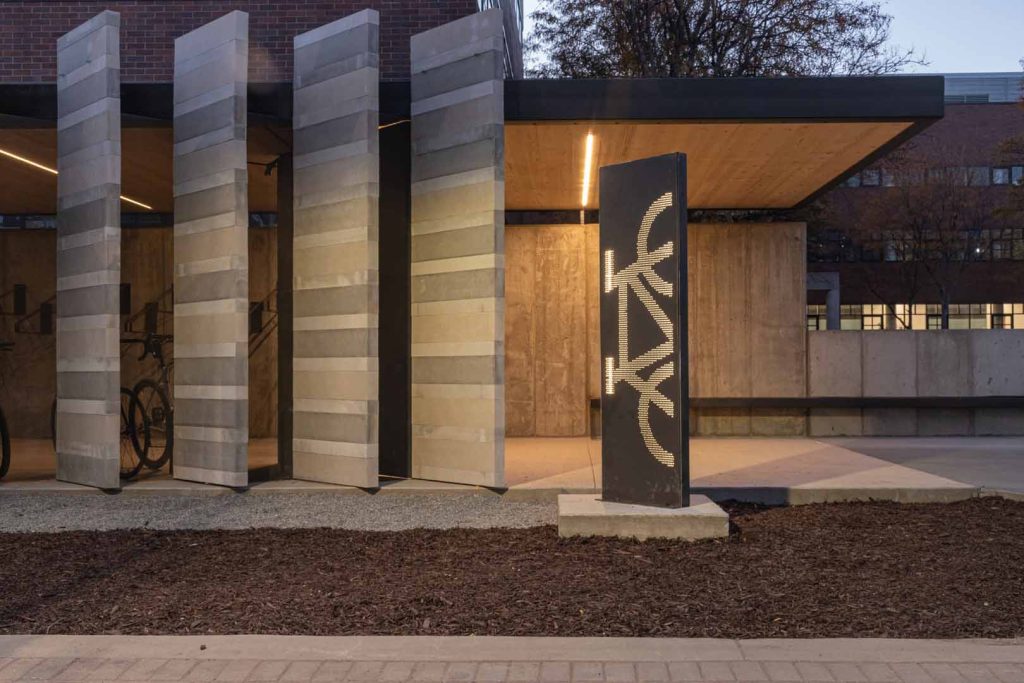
(43, 167)
(588, 161)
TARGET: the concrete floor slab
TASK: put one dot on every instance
(774, 471)
(989, 462)
(768, 470)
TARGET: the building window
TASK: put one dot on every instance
(1002, 321)
(1000, 176)
(850, 317)
(871, 177)
(934, 321)
(978, 176)
(888, 179)
(816, 316)
(872, 322)
(1017, 175)
(853, 181)
(1002, 250)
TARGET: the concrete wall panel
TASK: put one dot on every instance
(997, 363)
(458, 185)
(834, 364)
(211, 267)
(890, 364)
(925, 364)
(944, 363)
(88, 262)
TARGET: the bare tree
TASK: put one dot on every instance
(650, 38)
(929, 222)
(1012, 152)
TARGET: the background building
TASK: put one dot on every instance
(983, 112)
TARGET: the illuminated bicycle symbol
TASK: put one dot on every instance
(636, 278)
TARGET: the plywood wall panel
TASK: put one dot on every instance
(746, 315)
(520, 331)
(778, 297)
(561, 347)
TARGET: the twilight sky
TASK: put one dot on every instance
(954, 35)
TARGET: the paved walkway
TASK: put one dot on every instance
(289, 658)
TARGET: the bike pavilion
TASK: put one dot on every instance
(758, 145)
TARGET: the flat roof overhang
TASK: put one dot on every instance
(751, 143)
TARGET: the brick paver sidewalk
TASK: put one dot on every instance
(290, 658)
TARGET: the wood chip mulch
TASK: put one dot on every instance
(873, 569)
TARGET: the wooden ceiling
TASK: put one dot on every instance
(734, 165)
(731, 165)
(146, 169)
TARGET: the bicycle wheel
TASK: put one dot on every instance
(131, 462)
(159, 419)
(5, 446)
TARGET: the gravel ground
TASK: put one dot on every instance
(59, 512)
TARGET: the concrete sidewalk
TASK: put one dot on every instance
(305, 658)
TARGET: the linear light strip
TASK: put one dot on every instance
(588, 160)
(54, 172)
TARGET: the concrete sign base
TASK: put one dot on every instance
(587, 515)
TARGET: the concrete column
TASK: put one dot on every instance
(211, 256)
(830, 283)
(458, 269)
(335, 252)
(833, 319)
(89, 253)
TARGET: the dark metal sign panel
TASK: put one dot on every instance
(644, 397)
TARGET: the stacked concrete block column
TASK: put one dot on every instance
(211, 260)
(89, 252)
(336, 191)
(458, 403)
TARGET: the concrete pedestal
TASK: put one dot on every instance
(587, 515)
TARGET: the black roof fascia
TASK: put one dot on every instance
(854, 98)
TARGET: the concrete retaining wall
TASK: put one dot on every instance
(926, 364)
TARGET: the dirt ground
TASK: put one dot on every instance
(872, 569)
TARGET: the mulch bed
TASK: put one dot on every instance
(874, 569)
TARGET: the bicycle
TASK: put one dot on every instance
(155, 403)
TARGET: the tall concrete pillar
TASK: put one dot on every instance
(211, 254)
(458, 269)
(336, 190)
(89, 253)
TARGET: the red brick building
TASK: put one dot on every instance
(29, 29)
(982, 113)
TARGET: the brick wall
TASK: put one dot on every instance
(29, 30)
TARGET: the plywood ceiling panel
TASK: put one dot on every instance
(146, 170)
(730, 165)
